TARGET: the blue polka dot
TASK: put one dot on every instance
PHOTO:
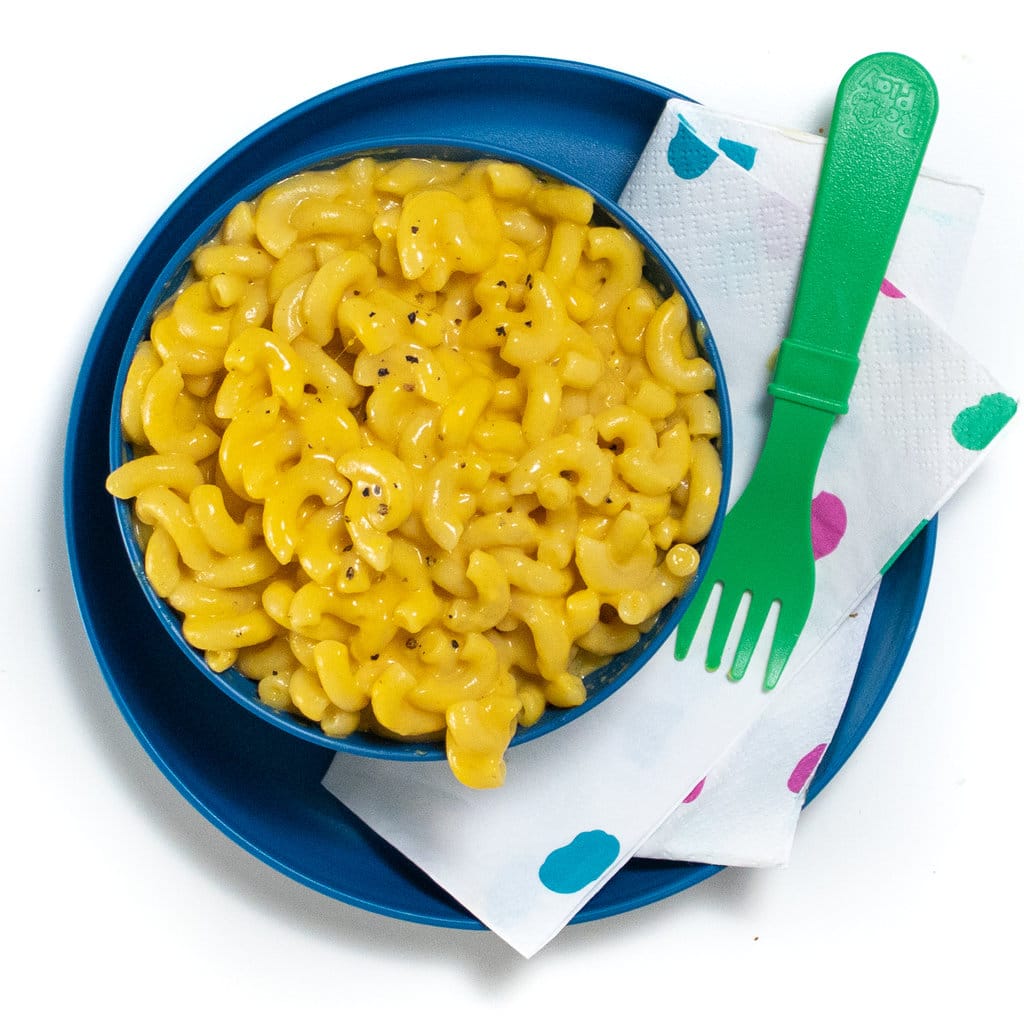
(738, 152)
(575, 865)
(688, 156)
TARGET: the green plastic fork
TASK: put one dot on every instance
(883, 117)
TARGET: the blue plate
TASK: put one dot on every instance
(259, 785)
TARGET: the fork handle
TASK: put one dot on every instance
(884, 113)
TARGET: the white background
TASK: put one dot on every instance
(904, 894)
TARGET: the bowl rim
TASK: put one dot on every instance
(165, 284)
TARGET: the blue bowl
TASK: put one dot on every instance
(213, 195)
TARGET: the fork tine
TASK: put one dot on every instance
(728, 604)
(689, 623)
(757, 616)
(776, 663)
(792, 616)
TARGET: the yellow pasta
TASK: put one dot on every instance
(416, 446)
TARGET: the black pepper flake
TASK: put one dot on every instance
(377, 490)
(502, 284)
(372, 313)
(411, 643)
(414, 229)
(347, 547)
(374, 657)
(366, 492)
(383, 509)
(529, 323)
(500, 331)
(529, 280)
(412, 317)
(412, 359)
(430, 560)
(383, 371)
(350, 573)
(455, 644)
(607, 501)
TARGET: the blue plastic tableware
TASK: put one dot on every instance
(220, 192)
(261, 786)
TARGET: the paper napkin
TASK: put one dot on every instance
(746, 811)
(680, 762)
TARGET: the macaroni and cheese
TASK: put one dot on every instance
(416, 445)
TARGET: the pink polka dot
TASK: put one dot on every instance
(828, 523)
(695, 792)
(890, 290)
(805, 768)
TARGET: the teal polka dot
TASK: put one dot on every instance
(574, 866)
(975, 426)
(688, 156)
(739, 152)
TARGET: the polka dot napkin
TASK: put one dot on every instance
(921, 413)
(681, 763)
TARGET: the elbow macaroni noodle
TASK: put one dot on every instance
(416, 446)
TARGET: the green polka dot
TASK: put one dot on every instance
(975, 426)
